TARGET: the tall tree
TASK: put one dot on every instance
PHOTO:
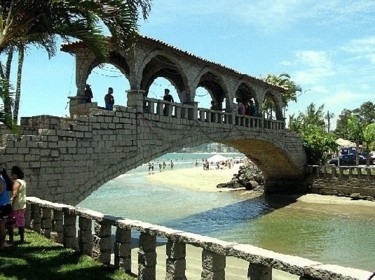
(369, 138)
(312, 128)
(22, 22)
(355, 128)
(289, 94)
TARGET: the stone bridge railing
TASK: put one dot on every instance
(94, 238)
(192, 112)
(357, 182)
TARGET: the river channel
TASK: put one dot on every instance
(329, 233)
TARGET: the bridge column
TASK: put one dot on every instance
(147, 257)
(46, 222)
(85, 237)
(123, 247)
(57, 226)
(176, 261)
(213, 266)
(75, 104)
(70, 232)
(135, 99)
(259, 272)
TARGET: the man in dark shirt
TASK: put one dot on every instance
(169, 98)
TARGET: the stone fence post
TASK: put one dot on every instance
(135, 99)
(147, 257)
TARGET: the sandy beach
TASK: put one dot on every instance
(195, 178)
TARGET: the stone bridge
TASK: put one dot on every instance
(66, 159)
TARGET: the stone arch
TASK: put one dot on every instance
(214, 84)
(160, 64)
(247, 93)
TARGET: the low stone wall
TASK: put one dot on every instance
(59, 222)
(351, 181)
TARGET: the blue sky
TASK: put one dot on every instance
(328, 48)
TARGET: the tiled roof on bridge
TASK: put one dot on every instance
(74, 46)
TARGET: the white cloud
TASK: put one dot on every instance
(362, 49)
(317, 66)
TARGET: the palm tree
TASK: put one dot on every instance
(41, 22)
(283, 80)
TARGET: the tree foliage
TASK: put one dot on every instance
(312, 128)
(41, 23)
(365, 113)
(289, 94)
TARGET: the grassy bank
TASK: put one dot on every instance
(40, 258)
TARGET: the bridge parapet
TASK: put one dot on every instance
(61, 156)
(59, 222)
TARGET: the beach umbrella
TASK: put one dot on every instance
(217, 158)
(345, 143)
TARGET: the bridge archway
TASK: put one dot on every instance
(215, 86)
(157, 64)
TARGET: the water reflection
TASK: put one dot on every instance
(337, 234)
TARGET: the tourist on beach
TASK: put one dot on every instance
(109, 99)
(18, 203)
(88, 93)
(171, 164)
(167, 97)
(5, 207)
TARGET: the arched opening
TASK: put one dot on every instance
(162, 67)
(104, 76)
(246, 96)
(156, 89)
(212, 85)
(269, 107)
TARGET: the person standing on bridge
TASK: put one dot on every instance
(167, 97)
(109, 99)
(88, 93)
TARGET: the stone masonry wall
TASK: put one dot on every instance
(66, 159)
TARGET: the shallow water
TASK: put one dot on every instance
(337, 234)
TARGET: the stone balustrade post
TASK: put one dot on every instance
(35, 223)
(341, 173)
(359, 171)
(85, 237)
(350, 172)
(28, 215)
(147, 257)
(213, 266)
(46, 222)
(259, 272)
(333, 171)
(176, 261)
(57, 234)
(70, 231)
(159, 108)
(102, 243)
(122, 250)
(177, 111)
(193, 113)
(75, 102)
(135, 99)
(368, 171)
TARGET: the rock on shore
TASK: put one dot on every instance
(248, 177)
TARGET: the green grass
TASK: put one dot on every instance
(41, 258)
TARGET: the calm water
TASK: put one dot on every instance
(336, 234)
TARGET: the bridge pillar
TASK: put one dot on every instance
(75, 104)
(136, 99)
